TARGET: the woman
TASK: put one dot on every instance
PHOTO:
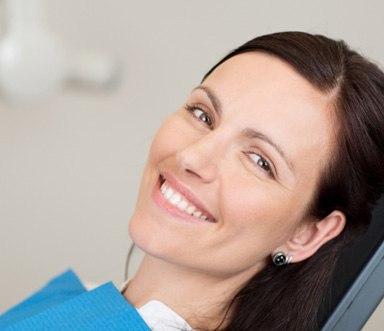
(251, 188)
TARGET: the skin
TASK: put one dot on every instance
(252, 105)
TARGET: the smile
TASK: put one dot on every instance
(178, 200)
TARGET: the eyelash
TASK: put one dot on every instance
(262, 162)
(208, 120)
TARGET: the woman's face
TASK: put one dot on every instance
(230, 174)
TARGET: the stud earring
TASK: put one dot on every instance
(280, 259)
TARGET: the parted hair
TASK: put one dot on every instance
(288, 298)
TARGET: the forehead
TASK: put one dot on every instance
(252, 72)
(262, 92)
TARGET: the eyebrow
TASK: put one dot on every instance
(211, 96)
(259, 135)
(248, 132)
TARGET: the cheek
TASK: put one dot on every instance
(168, 139)
(252, 210)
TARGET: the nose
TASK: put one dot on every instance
(201, 158)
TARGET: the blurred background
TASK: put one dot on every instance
(71, 156)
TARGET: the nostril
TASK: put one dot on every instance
(189, 171)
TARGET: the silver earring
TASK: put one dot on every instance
(280, 259)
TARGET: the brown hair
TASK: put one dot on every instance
(287, 298)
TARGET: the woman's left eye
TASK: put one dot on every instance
(261, 162)
(200, 114)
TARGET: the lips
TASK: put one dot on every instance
(182, 199)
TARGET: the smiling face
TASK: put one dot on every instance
(231, 174)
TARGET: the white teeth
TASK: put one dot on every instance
(191, 209)
(163, 188)
(196, 213)
(177, 200)
(168, 193)
(182, 205)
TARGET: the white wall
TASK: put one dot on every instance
(70, 168)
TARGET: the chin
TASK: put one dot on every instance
(145, 236)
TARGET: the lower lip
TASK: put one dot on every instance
(172, 210)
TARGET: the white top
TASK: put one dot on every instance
(159, 317)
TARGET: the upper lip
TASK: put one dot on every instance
(187, 193)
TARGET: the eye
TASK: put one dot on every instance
(200, 114)
(261, 162)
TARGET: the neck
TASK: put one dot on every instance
(201, 299)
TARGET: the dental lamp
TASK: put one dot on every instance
(34, 64)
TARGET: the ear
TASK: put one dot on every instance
(311, 235)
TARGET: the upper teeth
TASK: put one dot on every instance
(177, 199)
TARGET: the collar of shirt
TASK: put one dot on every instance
(159, 316)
